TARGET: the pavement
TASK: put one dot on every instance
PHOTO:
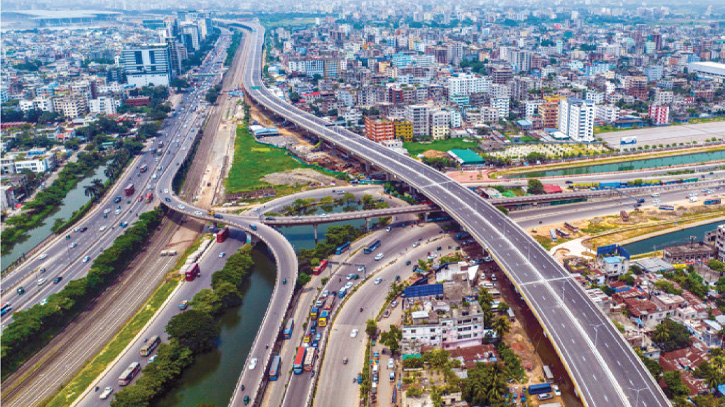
(664, 135)
(603, 367)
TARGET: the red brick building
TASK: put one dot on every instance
(379, 130)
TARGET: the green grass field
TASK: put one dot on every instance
(415, 148)
(254, 160)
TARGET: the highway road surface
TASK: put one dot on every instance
(603, 366)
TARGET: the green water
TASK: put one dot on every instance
(628, 166)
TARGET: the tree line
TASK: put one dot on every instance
(35, 327)
(190, 333)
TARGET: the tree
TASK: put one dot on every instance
(535, 187)
(132, 396)
(675, 385)
(193, 329)
(670, 335)
(392, 339)
(207, 301)
(502, 326)
(371, 328)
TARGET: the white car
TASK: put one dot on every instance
(353, 333)
(431, 256)
(348, 285)
(655, 194)
(74, 244)
(86, 259)
(378, 281)
(222, 254)
(379, 257)
(181, 206)
(107, 210)
(41, 281)
(325, 293)
(361, 269)
(197, 213)
(324, 215)
(416, 244)
(166, 191)
(391, 363)
(118, 212)
(42, 256)
(152, 358)
(253, 363)
(102, 228)
(43, 301)
(387, 229)
(106, 392)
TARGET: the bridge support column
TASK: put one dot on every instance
(425, 216)
(367, 224)
(314, 227)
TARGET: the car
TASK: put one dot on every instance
(167, 199)
(42, 256)
(155, 176)
(184, 305)
(74, 245)
(180, 206)
(222, 254)
(353, 333)
(102, 228)
(431, 256)
(41, 281)
(379, 257)
(392, 376)
(57, 280)
(555, 387)
(106, 392)
(325, 294)
(118, 211)
(117, 199)
(344, 361)
(360, 269)
(166, 191)
(157, 159)
(123, 224)
(284, 281)
(107, 210)
(83, 229)
(198, 213)
(314, 343)
(348, 277)
(349, 285)
(378, 281)
(545, 396)
(150, 186)
(269, 218)
(387, 229)
(393, 304)
(42, 270)
(253, 363)
(655, 194)
(152, 358)
(43, 301)
(86, 259)
(391, 363)
(20, 290)
(324, 215)
(416, 244)
(307, 339)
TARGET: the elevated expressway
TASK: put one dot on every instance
(604, 368)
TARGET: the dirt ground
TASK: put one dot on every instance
(471, 176)
(299, 176)
(263, 120)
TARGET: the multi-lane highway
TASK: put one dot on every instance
(604, 368)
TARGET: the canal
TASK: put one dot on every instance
(670, 239)
(629, 165)
(73, 200)
(213, 376)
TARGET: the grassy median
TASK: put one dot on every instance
(415, 148)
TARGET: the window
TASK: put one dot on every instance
(139, 58)
(152, 57)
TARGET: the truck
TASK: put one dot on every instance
(324, 316)
(314, 313)
(329, 303)
(624, 215)
(628, 140)
(540, 388)
(129, 190)
(299, 360)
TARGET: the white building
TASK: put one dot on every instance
(71, 108)
(465, 84)
(502, 106)
(663, 97)
(440, 121)
(594, 96)
(720, 242)
(148, 65)
(104, 105)
(576, 119)
(16, 163)
(456, 119)
(607, 113)
(532, 107)
(712, 70)
(39, 103)
(418, 116)
(453, 328)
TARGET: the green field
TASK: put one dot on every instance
(254, 160)
(415, 148)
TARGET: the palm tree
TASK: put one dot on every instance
(661, 333)
(110, 172)
(502, 326)
(713, 380)
(719, 362)
(90, 190)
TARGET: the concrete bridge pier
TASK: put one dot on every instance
(367, 224)
(314, 227)
(367, 167)
(425, 216)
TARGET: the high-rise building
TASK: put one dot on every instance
(148, 65)
(403, 130)
(502, 106)
(521, 60)
(440, 121)
(465, 84)
(636, 86)
(549, 111)
(418, 116)
(502, 75)
(659, 115)
(379, 130)
(576, 119)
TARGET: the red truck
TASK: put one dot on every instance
(129, 190)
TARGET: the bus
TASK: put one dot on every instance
(192, 271)
(315, 311)
(310, 359)
(128, 374)
(716, 201)
(144, 168)
(274, 368)
(149, 197)
(129, 190)
(299, 359)
(320, 268)
(462, 235)
(342, 249)
(369, 248)
(6, 307)
(150, 345)
(667, 207)
(222, 235)
(289, 328)
(324, 316)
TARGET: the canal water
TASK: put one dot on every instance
(73, 200)
(213, 376)
(628, 166)
(670, 239)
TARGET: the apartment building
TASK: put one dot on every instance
(418, 116)
(446, 327)
(70, 107)
(38, 103)
(379, 130)
(440, 121)
(465, 84)
(576, 119)
(549, 111)
(502, 106)
(403, 130)
(104, 105)
(659, 115)
(636, 86)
